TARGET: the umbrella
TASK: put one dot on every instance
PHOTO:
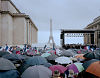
(72, 67)
(6, 64)
(14, 57)
(73, 59)
(76, 67)
(3, 53)
(94, 68)
(92, 55)
(37, 72)
(9, 74)
(26, 57)
(63, 60)
(35, 60)
(79, 56)
(47, 64)
(79, 66)
(52, 57)
(67, 53)
(60, 68)
(87, 63)
(45, 54)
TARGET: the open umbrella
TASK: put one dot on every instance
(60, 68)
(3, 53)
(6, 64)
(52, 57)
(72, 67)
(45, 54)
(79, 56)
(94, 68)
(47, 64)
(37, 72)
(63, 60)
(79, 66)
(67, 53)
(26, 57)
(9, 74)
(35, 60)
(87, 63)
(92, 55)
(14, 57)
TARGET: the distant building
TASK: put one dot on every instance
(16, 28)
(91, 33)
(93, 38)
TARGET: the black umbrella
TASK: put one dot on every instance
(14, 57)
(68, 53)
(52, 57)
(9, 74)
(6, 64)
(87, 63)
(3, 53)
(91, 55)
(35, 60)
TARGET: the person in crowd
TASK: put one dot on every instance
(69, 73)
(6, 47)
(56, 74)
(45, 47)
(25, 48)
(0, 48)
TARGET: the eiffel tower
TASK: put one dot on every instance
(51, 40)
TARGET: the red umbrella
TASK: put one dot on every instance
(60, 68)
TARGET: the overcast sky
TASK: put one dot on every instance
(65, 14)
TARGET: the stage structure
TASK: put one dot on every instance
(88, 34)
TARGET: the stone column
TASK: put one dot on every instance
(0, 5)
(31, 34)
(89, 38)
(85, 41)
(0, 31)
(0, 23)
(98, 26)
(96, 35)
(98, 38)
(27, 31)
(86, 38)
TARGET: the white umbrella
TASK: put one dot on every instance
(63, 60)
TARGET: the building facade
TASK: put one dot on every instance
(16, 28)
(95, 37)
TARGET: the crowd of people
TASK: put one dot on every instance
(58, 62)
(79, 46)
